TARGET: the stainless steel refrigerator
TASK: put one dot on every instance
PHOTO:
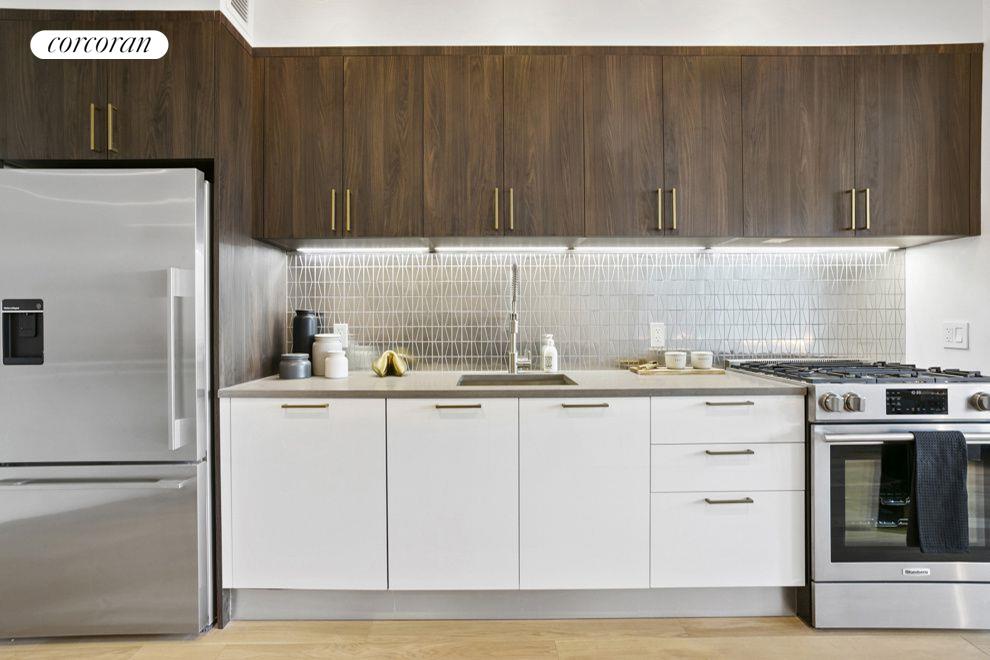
(104, 402)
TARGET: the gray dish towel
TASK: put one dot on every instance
(941, 502)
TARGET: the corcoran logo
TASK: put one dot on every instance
(99, 44)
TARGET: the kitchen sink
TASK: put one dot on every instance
(515, 379)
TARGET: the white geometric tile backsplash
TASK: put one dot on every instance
(450, 310)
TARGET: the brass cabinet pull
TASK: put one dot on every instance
(659, 209)
(673, 208)
(290, 406)
(720, 404)
(347, 210)
(867, 192)
(512, 212)
(110, 110)
(496, 208)
(736, 452)
(852, 210)
(92, 128)
(584, 405)
(457, 406)
(333, 209)
(741, 500)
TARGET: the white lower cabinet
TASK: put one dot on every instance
(307, 500)
(453, 507)
(584, 472)
(728, 539)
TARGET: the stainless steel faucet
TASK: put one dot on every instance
(515, 361)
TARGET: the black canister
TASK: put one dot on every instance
(303, 331)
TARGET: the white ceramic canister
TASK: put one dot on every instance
(335, 365)
(675, 359)
(702, 359)
(322, 346)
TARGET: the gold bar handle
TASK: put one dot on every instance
(852, 210)
(723, 404)
(867, 191)
(740, 452)
(673, 208)
(584, 405)
(496, 208)
(310, 406)
(512, 212)
(110, 110)
(741, 500)
(92, 128)
(457, 406)
(659, 209)
(333, 209)
(347, 210)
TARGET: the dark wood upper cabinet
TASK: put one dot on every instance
(52, 109)
(798, 145)
(304, 105)
(166, 108)
(913, 144)
(702, 131)
(623, 144)
(544, 144)
(462, 145)
(383, 146)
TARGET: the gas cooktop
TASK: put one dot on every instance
(857, 371)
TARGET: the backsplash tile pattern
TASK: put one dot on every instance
(450, 310)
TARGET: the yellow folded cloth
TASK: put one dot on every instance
(389, 364)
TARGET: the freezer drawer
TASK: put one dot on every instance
(103, 550)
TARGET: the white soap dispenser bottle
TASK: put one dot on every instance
(549, 354)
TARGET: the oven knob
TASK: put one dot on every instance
(980, 401)
(853, 402)
(831, 402)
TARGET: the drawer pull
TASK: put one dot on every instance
(457, 406)
(742, 500)
(719, 404)
(584, 405)
(735, 452)
(291, 406)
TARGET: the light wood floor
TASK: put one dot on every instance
(769, 638)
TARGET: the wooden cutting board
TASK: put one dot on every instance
(664, 371)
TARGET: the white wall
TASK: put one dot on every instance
(614, 22)
(948, 281)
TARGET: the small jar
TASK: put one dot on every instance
(324, 343)
(294, 366)
(335, 365)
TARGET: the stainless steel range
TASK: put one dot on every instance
(864, 570)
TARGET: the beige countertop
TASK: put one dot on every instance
(418, 384)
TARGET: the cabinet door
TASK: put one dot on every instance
(453, 489)
(304, 107)
(584, 493)
(702, 129)
(166, 108)
(798, 153)
(308, 494)
(47, 111)
(913, 144)
(383, 146)
(462, 150)
(544, 144)
(623, 145)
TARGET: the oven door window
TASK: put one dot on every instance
(871, 504)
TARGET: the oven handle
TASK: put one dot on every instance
(880, 438)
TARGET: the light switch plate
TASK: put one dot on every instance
(955, 334)
(658, 335)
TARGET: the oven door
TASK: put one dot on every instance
(860, 512)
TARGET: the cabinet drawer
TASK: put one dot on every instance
(725, 419)
(766, 466)
(699, 543)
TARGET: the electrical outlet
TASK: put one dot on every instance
(955, 334)
(658, 335)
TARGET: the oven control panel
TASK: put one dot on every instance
(917, 401)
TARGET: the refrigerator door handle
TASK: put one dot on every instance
(179, 284)
(96, 484)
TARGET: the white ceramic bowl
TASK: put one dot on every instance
(675, 359)
(702, 359)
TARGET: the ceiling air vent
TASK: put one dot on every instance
(241, 8)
